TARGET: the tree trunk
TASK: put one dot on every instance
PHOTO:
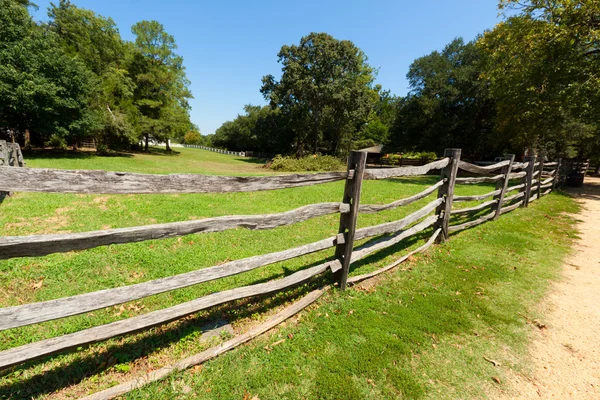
(146, 138)
(27, 139)
(168, 145)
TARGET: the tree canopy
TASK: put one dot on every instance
(76, 78)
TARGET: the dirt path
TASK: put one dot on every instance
(566, 355)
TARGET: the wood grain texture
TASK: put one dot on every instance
(514, 197)
(470, 224)
(503, 185)
(395, 226)
(474, 208)
(527, 180)
(47, 347)
(449, 175)
(368, 209)
(522, 165)
(547, 192)
(359, 278)
(380, 244)
(551, 164)
(516, 187)
(516, 175)
(27, 314)
(476, 169)
(40, 245)
(546, 186)
(506, 209)
(347, 227)
(72, 181)
(548, 180)
(480, 179)
(477, 197)
(383, 173)
(210, 353)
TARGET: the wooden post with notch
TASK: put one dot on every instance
(528, 178)
(539, 175)
(345, 239)
(503, 184)
(556, 182)
(446, 191)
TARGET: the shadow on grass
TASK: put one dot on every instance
(87, 365)
(45, 154)
(253, 160)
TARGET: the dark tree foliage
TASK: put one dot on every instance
(75, 78)
(325, 92)
(448, 105)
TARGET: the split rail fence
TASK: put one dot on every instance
(516, 185)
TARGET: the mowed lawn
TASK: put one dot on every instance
(420, 332)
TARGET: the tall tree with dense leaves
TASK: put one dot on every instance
(325, 91)
(162, 90)
(543, 69)
(448, 105)
(96, 41)
(43, 90)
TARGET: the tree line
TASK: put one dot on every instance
(529, 84)
(74, 78)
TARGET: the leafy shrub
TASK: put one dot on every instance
(57, 142)
(192, 138)
(308, 163)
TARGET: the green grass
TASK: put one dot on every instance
(334, 353)
(180, 160)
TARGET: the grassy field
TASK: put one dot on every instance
(456, 303)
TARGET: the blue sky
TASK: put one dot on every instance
(228, 46)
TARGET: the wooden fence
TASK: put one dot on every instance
(516, 185)
(231, 153)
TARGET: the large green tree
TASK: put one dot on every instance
(325, 92)
(448, 105)
(543, 68)
(162, 88)
(43, 90)
(95, 40)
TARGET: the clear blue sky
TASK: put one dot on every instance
(228, 46)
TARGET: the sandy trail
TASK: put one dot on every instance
(566, 355)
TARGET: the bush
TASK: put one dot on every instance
(308, 163)
(192, 138)
(57, 142)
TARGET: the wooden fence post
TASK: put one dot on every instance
(556, 182)
(528, 178)
(345, 241)
(503, 185)
(447, 191)
(539, 175)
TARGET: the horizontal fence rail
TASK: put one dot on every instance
(513, 190)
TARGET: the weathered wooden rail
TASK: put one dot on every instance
(515, 187)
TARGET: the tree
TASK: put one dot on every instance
(543, 64)
(325, 92)
(43, 90)
(162, 92)
(96, 41)
(448, 105)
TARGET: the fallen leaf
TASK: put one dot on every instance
(38, 285)
(290, 335)
(370, 382)
(496, 379)
(350, 312)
